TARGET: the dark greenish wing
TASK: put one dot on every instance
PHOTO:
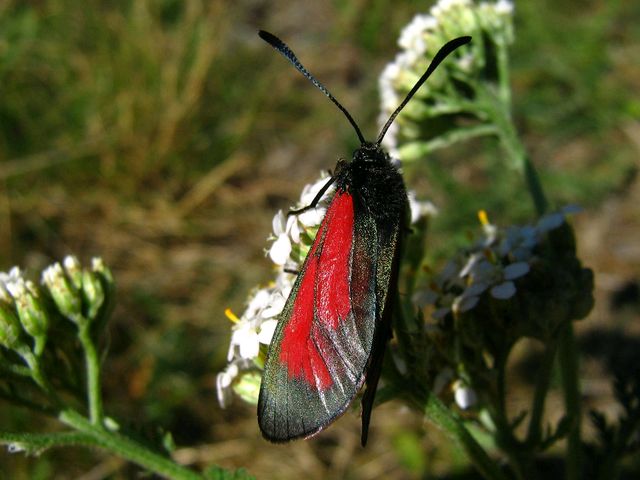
(320, 350)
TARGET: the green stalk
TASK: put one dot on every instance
(568, 360)
(534, 434)
(437, 413)
(126, 448)
(519, 459)
(92, 362)
(36, 374)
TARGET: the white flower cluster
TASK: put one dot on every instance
(292, 238)
(13, 284)
(492, 265)
(420, 40)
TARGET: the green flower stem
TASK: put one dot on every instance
(568, 360)
(36, 443)
(416, 150)
(534, 434)
(519, 458)
(509, 136)
(92, 361)
(441, 416)
(504, 86)
(124, 447)
(36, 374)
(497, 109)
(519, 158)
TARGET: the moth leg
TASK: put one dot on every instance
(315, 200)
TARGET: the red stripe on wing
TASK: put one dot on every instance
(325, 285)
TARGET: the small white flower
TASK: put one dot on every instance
(260, 300)
(224, 380)
(465, 396)
(245, 338)
(504, 7)
(16, 447)
(412, 36)
(71, 263)
(420, 209)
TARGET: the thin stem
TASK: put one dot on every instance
(518, 459)
(126, 448)
(568, 360)
(534, 434)
(503, 73)
(535, 187)
(92, 361)
(37, 375)
(498, 111)
(441, 416)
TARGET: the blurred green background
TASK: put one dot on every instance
(163, 136)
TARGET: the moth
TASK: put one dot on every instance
(335, 325)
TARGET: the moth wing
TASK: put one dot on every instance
(320, 350)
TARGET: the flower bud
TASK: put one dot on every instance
(93, 293)
(98, 266)
(9, 327)
(63, 292)
(31, 312)
(103, 282)
(74, 270)
(247, 387)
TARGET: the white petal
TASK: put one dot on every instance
(258, 302)
(276, 305)
(293, 229)
(249, 345)
(475, 289)
(278, 223)
(550, 222)
(420, 209)
(266, 331)
(313, 217)
(464, 304)
(280, 250)
(516, 270)
(470, 265)
(503, 291)
(310, 191)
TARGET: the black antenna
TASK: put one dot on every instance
(282, 47)
(440, 56)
